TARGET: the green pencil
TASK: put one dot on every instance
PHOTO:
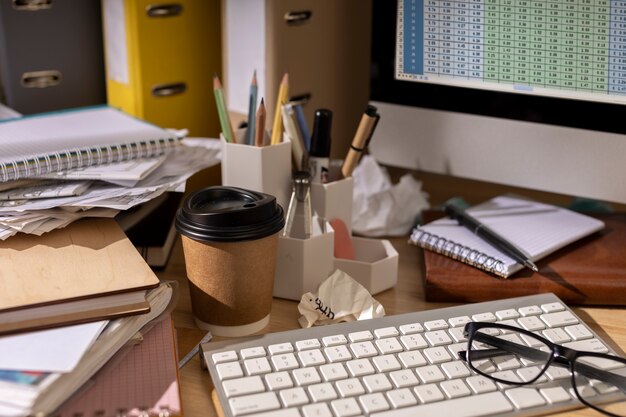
(222, 110)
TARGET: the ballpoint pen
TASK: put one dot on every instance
(489, 235)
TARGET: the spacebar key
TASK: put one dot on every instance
(474, 406)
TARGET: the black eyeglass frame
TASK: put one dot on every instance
(559, 355)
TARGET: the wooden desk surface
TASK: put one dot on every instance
(610, 323)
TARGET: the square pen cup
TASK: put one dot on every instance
(258, 168)
(302, 264)
(333, 200)
(375, 266)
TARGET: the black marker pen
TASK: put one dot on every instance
(319, 153)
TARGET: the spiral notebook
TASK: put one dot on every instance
(539, 229)
(40, 144)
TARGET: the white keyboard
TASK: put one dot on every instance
(395, 366)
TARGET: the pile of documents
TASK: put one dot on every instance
(37, 204)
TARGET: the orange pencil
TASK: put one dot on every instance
(259, 131)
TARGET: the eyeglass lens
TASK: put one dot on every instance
(517, 358)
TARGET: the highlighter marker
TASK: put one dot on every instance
(319, 154)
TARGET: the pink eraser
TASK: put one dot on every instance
(343, 241)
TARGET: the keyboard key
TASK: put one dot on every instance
(306, 376)
(360, 336)
(350, 387)
(458, 334)
(508, 314)
(311, 357)
(590, 345)
(294, 396)
(363, 349)
(411, 328)
(386, 332)
(388, 345)
(313, 410)
(285, 412)
(552, 307)
(322, 392)
(229, 370)
(459, 321)
(278, 380)
(222, 357)
(403, 378)
(334, 340)
(438, 338)
(285, 362)
(472, 406)
(489, 317)
(437, 355)
(428, 393)
(531, 323)
(413, 341)
(455, 388)
(411, 359)
(455, 369)
(372, 403)
(257, 366)
(254, 403)
(436, 325)
(346, 407)
(280, 348)
(430, 374)
(555, 395)
(480, 384)
(578, 332)
(333, 372)
(530, 311)
(338, 353)
(308, 344)
(254, 352)
(376, 383)
(563, 318)
(525, 397)
(243, 386)
(401, 398)
(360, 367)
(557, 335)
(386, 363)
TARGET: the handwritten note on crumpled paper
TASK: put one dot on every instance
(338, 298)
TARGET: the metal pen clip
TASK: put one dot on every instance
(301, 194)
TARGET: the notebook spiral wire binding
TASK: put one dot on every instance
(78, 158)
(457, 251)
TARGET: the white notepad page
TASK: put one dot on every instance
(537, 228)
(72, 129)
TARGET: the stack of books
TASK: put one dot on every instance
(83, 306)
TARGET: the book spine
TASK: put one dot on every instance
(83, 157)
(456, 251)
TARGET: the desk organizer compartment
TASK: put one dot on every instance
(375, 266)
(302, 264)
(333, 200)
(258, 168)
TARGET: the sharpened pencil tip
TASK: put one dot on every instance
(216, 82)
(285, 79)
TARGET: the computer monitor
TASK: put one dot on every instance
(524, 93)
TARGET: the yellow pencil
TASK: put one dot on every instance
(277, 127)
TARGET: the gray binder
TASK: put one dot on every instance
(51, 54)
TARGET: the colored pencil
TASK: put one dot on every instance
(222, 110)
(252, 111)
(259, 137)
(277, 127)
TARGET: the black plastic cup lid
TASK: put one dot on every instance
(229, 214)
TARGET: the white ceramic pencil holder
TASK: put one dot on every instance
(266, 169)
(302, 264)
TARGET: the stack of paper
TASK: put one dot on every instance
(42, 189)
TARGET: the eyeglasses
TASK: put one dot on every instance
(513, 356)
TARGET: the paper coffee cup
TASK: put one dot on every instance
(229, 238)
